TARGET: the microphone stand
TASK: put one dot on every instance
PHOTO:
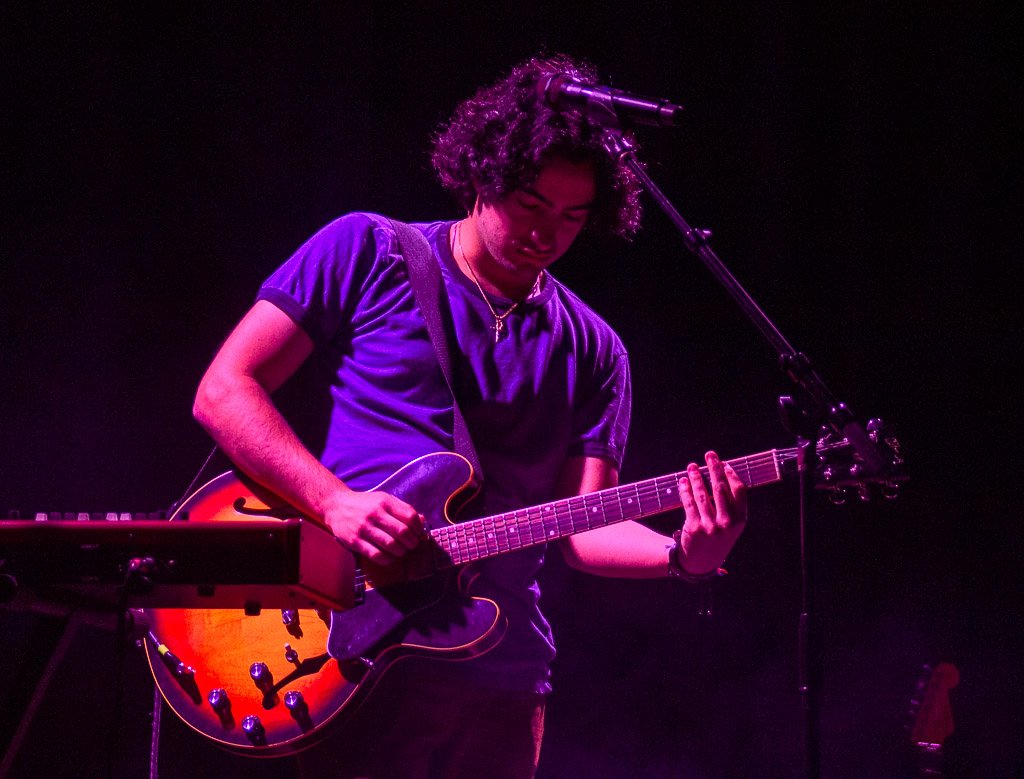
(812, 408)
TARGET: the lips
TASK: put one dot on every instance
(537, 255)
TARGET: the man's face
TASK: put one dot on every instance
(532, 227)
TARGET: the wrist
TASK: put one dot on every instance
(677, 570)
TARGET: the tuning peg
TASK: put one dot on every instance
(837, 495)
(874, 428)
(863, 493)
(890, 490)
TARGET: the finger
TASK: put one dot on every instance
(736, 484)
(738, 488)
(371, 551)
(700, 496)
(692, 521)
(406, 535)
(386, 538)
(720, 489)
(400, 509)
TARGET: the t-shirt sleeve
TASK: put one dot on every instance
(319, 285)
(601, 423)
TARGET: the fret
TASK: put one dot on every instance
(549, 516)
(668, 492)
(650, 501)
(490, 537)
(611, 506)
(505, 537)
(628, 501)
(458, 541)
(495, 535)
(557, 525)
(527, 533)
(549, 521)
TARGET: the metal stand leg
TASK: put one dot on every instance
(59, 652)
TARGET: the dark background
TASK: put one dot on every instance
(855, 166)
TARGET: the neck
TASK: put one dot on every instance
(477, 264)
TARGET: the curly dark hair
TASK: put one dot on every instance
(498, 140)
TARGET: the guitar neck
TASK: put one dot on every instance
(478, 539)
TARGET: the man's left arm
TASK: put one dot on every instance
(715, 515)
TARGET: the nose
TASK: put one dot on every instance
(543, 236)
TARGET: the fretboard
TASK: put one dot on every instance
(489, 536)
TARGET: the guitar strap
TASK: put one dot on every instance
(431, 297)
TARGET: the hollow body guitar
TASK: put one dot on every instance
(269, 684)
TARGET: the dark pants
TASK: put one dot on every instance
(423, 721)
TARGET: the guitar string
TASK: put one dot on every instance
(482, 537)
(578, 504)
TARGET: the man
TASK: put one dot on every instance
(543, 383)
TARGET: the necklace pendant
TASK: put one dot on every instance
(499, 328)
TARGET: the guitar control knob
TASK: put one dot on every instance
(261, 677)
(253, 729)
(290, 619)
(296, 705)
(290, 655)
(218, 699)
(221, 704)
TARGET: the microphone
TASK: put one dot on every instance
(561, 89)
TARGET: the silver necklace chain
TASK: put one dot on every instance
(499, 319)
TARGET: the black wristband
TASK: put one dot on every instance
(676, 571)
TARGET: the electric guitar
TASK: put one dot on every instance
(268, 684)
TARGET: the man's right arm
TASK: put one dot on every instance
(233, 404)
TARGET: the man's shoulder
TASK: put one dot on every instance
(353, 223)
(366, 226)
(593, 326)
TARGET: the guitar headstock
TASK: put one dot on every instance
(842, 470)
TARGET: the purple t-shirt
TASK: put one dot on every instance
(556, 385)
